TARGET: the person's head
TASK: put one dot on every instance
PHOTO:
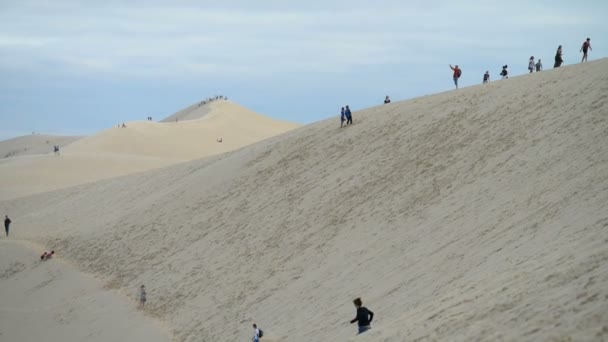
(456, 66)
(487, 71)
(539, 60)
(342, 108)
(142, 286)
(588, 39)
(347, 107)
(255, 326)
(357, 302)
(559, 47)
(531, 57)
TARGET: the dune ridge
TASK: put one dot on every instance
(477, 214)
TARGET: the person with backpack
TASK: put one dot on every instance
(586, 46)
(531, 64)
(539, 66)
(505, 72)
(558, 57)
(7, 224)
(257, 333)
(456, 75)
(364, 317)
(486, 77)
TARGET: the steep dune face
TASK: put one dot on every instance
(33, 144)
(477, 214)
(139, 147)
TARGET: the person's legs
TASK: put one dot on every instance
(456, 82)
(6, 229)
(363, 329)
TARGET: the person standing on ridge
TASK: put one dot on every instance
(586, 46)
(457, 74)
(505, 72)
(364, 317)
(7, 223)
(387, 100)
(539, 66)
(558, 57)
(531, 64)
(342, 117)
(349, 116)
(486, 77)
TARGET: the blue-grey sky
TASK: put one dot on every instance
(76, 67)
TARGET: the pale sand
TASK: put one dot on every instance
(472, 215)
(33, 144)
(139, 147)
(50, 301)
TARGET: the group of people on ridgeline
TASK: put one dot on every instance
(346, 115)
(532, 65)
(212, 98)
(149, 118)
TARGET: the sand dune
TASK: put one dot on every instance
(139, 147)
(472, 215)
(33, 144)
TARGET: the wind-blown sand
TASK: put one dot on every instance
(472, 215)
(139, 147)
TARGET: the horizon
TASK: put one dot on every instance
(291, 62)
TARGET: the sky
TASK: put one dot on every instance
(77, 67)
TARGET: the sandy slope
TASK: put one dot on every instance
(138, 147)
(50, 301)
(33, 144)
(471, 215)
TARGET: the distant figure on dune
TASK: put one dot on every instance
(142, 296)
(456, 75)
(505, 72)
(349, 116)
(56, 149)
(558, 57)
(539, 66)
(257, 333)
(7, 224)
(387, 100)
(342, 117)
(486, 77)
(586, 46)
(47, 255)
(364, 317)
(123, 125)
(219, 140)
(531, 64)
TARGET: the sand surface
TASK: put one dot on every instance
(472, 215)
(33, 144)
(141, 146)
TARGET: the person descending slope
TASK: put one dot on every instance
(342, 117)
(456, 75)
(364, 317)
(349, 116)
(586, 46)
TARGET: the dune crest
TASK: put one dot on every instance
(472, 215)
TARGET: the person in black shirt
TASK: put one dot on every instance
(364, 316)
(7, 223)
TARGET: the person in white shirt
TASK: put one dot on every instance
(256, 333)
(531, 64)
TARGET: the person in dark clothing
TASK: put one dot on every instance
(349, 116)
(558, 57)
(486, 77)
(342, 117)
(585, 48)
(364, 317)
(387, 100)
(7, 223)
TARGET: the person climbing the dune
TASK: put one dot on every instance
(586, 46)
(342, 117)
(364, 317)
(257, 333)
(349, 116)
(456, 75)
(142, 296)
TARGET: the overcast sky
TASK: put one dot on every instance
(76, 67)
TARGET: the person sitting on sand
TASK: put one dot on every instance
(142, 296)
(364, 317)
(47, 255)
(387, 100)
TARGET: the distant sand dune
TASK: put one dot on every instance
(472, 215)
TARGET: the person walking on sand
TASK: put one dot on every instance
(142, 296)
(539, 66)
(342, 117)
(364, 317)
(558, 57)
(586, 46)
(7, 224)
(457, 74)
(349, 116)
(505, 72)
(257, 333)
(486, 77)
(531, 64)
